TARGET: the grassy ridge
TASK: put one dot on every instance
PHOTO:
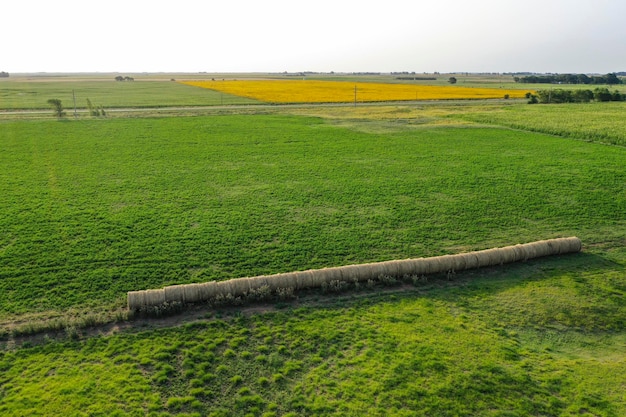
(529, 339)
(93, 209)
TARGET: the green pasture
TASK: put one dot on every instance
(544, 338)
(34, 94)
(92, 208)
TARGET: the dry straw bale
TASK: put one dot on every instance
(507, 255)
(286, 280)
(207, 290)
(542, 248)
(459, 262)
(136, 299)
(327, 275)
(154, 297)
(192, 293)
(391, 268)
(471, 260)
(174, 293)
(304, 279)
(239, 286)
(495, 256)
(351, 273)
(446, 263)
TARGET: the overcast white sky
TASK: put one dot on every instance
(320, 35)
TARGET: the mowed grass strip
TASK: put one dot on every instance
(312, 91)
(92, 209)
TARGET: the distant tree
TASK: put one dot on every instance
(57, 107)
(4, 74)
(452, 80)
(612, 79)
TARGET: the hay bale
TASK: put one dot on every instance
(326, 275)
(530, 251)
(304, 279)
(285, 280)
(191, 293)
(154, 297)
(350, 273)
(542, 248)
(507, 254)
(207, 290)
(135, 300)
(446, 263)
(471, 260)
(483, 258)
(568, 245)
(458, 263)
(375, 270)
(239, 286)
(174, 293)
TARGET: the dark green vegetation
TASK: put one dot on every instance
(92, 208)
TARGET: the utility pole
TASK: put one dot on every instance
(74, 96)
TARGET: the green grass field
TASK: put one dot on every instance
(92, 208)
(28, 94)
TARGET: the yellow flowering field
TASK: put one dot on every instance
(312, 91)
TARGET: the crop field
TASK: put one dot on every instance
(315, 91)
(95, 207)
(27, 94)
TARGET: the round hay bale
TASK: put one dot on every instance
(191, 293)
(154, 297)
(569, 244)
(223, 288)
(471, 260)
(446, 263)
(458, 263)
(239, 286)
(483, 258)
(389, 268)
(304, 279)
(135, 300)
(430, 265)
(520, 253)
(405, 267)
(326, 275)
(507, 254)
(495, 256)
(368, 271)
(374, 270)
(350, 273)
(285, 280)
(542, 248)
(530, 251)
(174, 293)
(207, 290)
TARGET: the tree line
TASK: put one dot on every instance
(574, 96)
(4, 74)
(608, 79)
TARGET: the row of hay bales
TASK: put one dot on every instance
(194, 293)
